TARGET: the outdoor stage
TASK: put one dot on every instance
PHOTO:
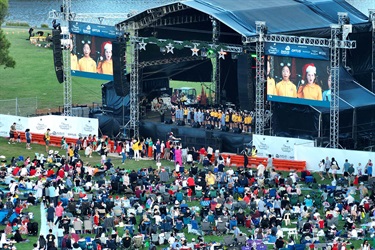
(151, 126)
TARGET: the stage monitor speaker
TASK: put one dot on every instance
(225, 128)
(168, 121)
(196, 125)
(180, 123)
(209, 134)
(122, 86)
(57, 55)
(209, 127)
(237, 131)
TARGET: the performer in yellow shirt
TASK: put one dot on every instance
(271, 85)
(285, 87)
(310, 90)
(86, 63)
(105, 66)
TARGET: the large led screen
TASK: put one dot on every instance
(91, 50)
(298, 75)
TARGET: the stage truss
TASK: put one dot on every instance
(338, 41)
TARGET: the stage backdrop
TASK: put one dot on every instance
(72, 127)
(278, 147)
(313, 155)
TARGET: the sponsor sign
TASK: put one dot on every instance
(296, 50)
(278, 147)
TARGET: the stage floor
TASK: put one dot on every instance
(151, 126)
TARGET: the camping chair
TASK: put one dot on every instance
(77, 225)
(232, 223)
(241, 240)
(179, 226)
(206, 227)
(221, 228)
(155, 238)
(213, 194)
(87, 224)
(186, 220)
(294, 200)
(138, 242)
(228, 240)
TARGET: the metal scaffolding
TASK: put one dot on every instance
(259, 79)
(133, 124)
(335, 78)
(343, 21)
(372, 20)
(66, 17)
(216, 61)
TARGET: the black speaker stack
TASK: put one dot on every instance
(180, 123)
(122, 87)
(237, 131)
(57, 55)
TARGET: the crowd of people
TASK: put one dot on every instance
(201, 193)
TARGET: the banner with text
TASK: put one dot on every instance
(297, 50)
(72, 127)
(278, 147)
(313, 156)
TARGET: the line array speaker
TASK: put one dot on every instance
(122, 87)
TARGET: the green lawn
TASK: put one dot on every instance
(34, 75)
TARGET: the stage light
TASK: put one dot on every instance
(203, 52)
(254, 55)
(163, 50)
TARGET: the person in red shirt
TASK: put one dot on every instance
(191, 183)
(50, 172)
(202, 154)
(61, 173)
(189, 193)
(16, 170)
(167, 150)
(18, 209)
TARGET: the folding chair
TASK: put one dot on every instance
(206, 227)
(228, 240)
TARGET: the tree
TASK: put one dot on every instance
(5, 58)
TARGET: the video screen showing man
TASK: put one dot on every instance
(285, 87)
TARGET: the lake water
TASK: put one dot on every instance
(35, 12)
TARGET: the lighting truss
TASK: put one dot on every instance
(170, 60)
(372, 20)
(153, 15)
(319, 42)
(226, 47)
(259, 79)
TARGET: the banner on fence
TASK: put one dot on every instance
(278, 147)
(72, 127)
(313, 156)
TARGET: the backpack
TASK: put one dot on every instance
(45, 137)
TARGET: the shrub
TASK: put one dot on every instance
(44, 25)
(17, 23)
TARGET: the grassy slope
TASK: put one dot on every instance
(34, 76)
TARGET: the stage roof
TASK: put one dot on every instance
(281, 16)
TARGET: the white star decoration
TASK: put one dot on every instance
(169, 48)
(195, 51)
(142, 45)
(222, 54)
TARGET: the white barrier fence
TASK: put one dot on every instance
(278, 147)
(72, 127)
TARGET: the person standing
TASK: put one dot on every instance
(12, 132)
(47, 138)
(50, 215)
(59, 212)
(28, 138)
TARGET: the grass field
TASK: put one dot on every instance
(34, 75)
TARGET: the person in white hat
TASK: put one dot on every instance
(310, 89)
(105, 65)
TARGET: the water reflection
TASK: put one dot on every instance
(36, 12)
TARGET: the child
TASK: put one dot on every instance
(19, 137)
(228, 161)
(189, 193)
